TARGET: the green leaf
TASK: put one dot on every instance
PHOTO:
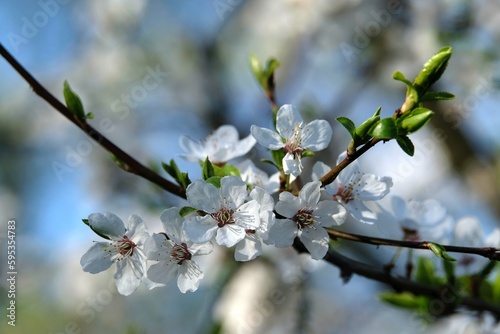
(432, 70)
(406, 145)
(73, 101)
(405, 300)
(207, 170)
(437, 96)
(449, 269)
(308, 153)
(256, 67)
(348, 124)
(415, 120)
(86, 222)
(425, 272)
(118, 162)
(215, 180)
(385, 129)
(440, 251)
(226, 170)
(186, 210)
(278, 156)
(271, 66)
(495, 289)
(400, 77)
(365, 127)
(181, 177)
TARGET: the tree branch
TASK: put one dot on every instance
(446, 294)
(129, 163)
(491, 253)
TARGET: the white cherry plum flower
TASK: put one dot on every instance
(227, 213)
(305, 217)
(294, 137)
(125, 248)
(251, 245)
(255, 177)
(220, 147)
(174, 252)
(352, 188)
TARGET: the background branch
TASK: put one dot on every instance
(129, 164)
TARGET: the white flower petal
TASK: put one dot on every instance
(172, 225)
(127, 276)
(267, 138)
(233, 192)
(329, 213)
(96, 259)
(316, 135)
(265, 200)
(194, 149)
(372, 187)
(189, 277)
(229, 235)
(320, 169)
(287, 118)
(107, 224)
(288, 205)
(248, 248)
(310, 194)
(163, 272)
(203, 196)
(282, 233)
(200, 229)
(361, 212)
(160, 249)
(292, 165)
(247, 215)
(201, 249)
(316, 241)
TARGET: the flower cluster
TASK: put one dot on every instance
(233, 206)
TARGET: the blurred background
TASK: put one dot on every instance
(337, 58)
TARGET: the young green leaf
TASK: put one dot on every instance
(415, 120)
(215, 180)
(348, 124)
(437, 96)
(365, 127)
(385, 129)
(405, 300)
(432, 70)
(186, 210)
(425, 272)
(278, 156)
(400, 77)
(207, 170)
(406, 145)
(73, 101)
(226, 170)
(440, 251)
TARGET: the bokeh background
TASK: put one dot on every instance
(337, 58)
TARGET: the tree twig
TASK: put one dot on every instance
(491, 253)
(128, 162)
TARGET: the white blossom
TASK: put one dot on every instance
(227, 215)
(294, 137)
(174, 252)
(221, 146)
(305, 217)
(254, 176)
(124, 248)
(352, 188)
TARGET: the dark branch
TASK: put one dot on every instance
(128, 162)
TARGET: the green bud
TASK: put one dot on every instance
(73, 102)
(440, 251)
(433, 69)
(385, 129)
(415, 120)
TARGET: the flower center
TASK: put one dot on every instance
(223, 217)
(347, 193)
(180, 253)
(294, 144)
(125, 247)
(303, 218)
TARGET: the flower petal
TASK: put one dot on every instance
(316, 135)
(287, 118)
(96, 259)
(247, 215)
(316, 241)
(292, 165)
(288, 205)
(107, 224)
(127, 276)
(329, 213)
(233, 192)
(200, 229)
(189, 276)
(310, 194)
(248, 248)
(172, 225)
(163, 272)
(195, 150)
(282, 233)
(203, 196)
(267, 138)
(372, 187)
(229, 235)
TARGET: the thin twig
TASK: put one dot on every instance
(491, 253)
(128, 162)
